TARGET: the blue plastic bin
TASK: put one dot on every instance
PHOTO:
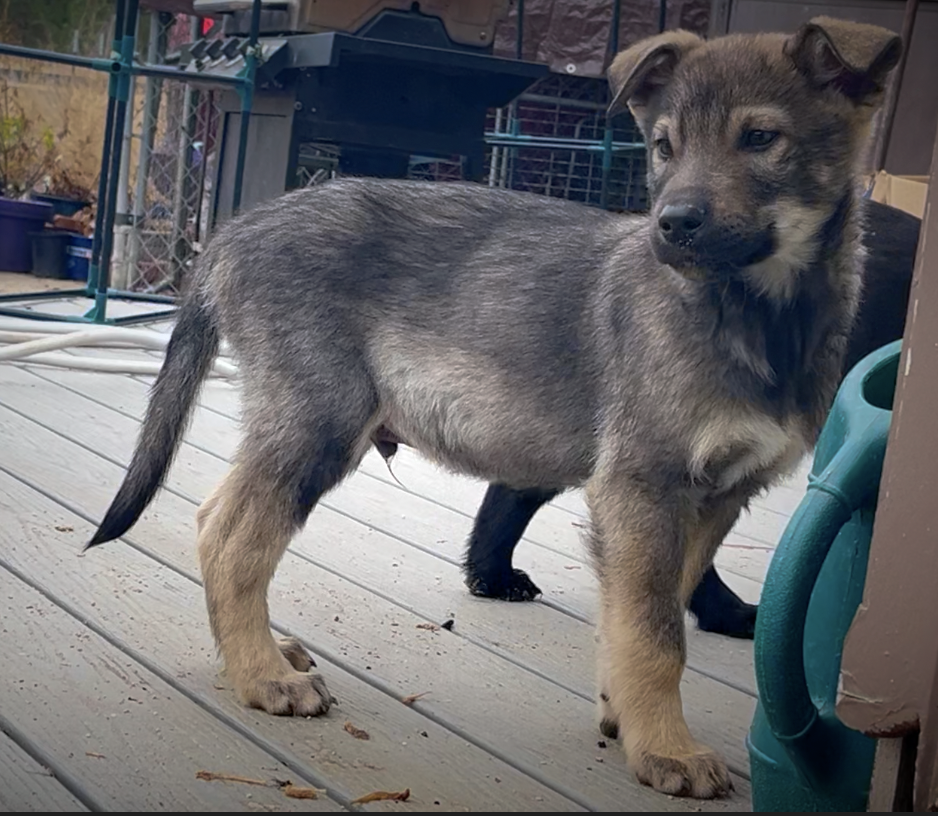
(78, 257)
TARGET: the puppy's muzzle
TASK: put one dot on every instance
(684, 223)
(691, 238)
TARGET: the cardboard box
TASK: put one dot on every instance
(906, 193)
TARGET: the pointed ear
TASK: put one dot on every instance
(854, 58)
(637, 73)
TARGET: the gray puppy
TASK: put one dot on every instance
(675, 364)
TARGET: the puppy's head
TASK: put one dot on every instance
(753, 141)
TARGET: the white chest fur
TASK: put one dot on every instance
(735, 446)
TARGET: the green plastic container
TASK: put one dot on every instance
(802, 758)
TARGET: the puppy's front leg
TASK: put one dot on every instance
(639, 550)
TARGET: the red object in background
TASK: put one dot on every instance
(206, 25)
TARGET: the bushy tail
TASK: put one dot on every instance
(189, 356)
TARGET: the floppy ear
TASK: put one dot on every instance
(640, 71)
(854, 58)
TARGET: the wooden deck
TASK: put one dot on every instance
(112, 699)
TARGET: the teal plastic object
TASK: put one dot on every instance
(802, 758)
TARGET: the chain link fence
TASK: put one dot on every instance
(169, 202)
(164, 198)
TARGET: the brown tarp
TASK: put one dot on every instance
(572, 36)
(172, 6)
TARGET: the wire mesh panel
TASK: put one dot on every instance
(567, 115)
(428, 168)
(317, 162)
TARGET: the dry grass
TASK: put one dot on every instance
(72, 103)
(16, 283)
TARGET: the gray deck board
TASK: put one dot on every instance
(132, 740)
(27, 785)
(507, 725)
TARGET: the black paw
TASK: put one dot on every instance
(505, 586)
(737, 620)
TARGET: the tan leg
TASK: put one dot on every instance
(290, 647)
(706, 531)
(208, 506)
(640, 561)
(608, 719)
(245, 526)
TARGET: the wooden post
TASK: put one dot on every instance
(889, 671)
(895, 87)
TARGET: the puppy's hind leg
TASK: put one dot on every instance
(499, 524)
(290, 647)
(295, 449)
(206, 509)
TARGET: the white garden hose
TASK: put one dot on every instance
(28, 341)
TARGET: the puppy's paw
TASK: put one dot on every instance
(296, 655)
(296, 694)
(513, 585)
(701, 776)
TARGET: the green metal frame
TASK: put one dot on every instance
(120, 67)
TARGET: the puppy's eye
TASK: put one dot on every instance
(757, 139)
(664, 149)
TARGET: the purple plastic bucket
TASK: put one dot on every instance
(17, 220)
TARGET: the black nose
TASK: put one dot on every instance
(681, 223)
